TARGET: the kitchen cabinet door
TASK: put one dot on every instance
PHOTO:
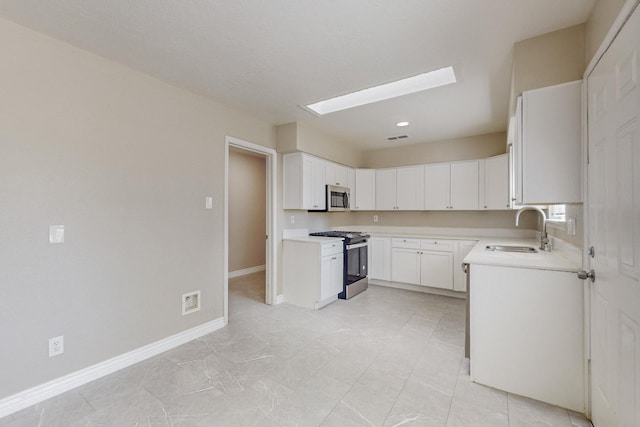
(405, 266)
(304, 186)
(436, 186)
(313, 172)
(410, 188)
(385, 189)
(331, 276)
(380, 258)
(436, 269)
(464, 185)
(495, 183)
(336, 174)
(364, 197)
(551, 143)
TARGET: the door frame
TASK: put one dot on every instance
(623, 16)
(271, 255)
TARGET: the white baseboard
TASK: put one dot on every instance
(246, 271)
(280, 299)
(42, 392)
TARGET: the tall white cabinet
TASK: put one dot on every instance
(547, 145)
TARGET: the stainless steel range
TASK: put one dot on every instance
(355, 261)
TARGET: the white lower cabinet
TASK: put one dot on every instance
(436, 269)
(312, 272)
(380, 258)
(423, 262)
(527, 333)
(405, 265)
(331, 275)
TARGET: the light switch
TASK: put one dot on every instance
(56, 234)
(208, 202)
(571, 226)
(292, 219)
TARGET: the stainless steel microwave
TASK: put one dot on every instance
(337, 198)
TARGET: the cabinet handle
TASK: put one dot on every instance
(337, 183)
(485, 206)
(334, 258)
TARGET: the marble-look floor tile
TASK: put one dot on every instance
(387, 357)
(524, 412)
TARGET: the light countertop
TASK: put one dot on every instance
(563, 257)
(314, 239)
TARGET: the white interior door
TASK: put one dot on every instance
(613, 211)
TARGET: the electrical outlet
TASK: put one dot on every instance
(208, 202)
(293, 219)
(56, 346)
(190, 302)
(375, 218)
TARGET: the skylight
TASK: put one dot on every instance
(430, 80)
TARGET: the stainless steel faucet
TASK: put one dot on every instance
(544, 239)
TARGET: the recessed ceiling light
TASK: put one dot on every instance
(432, 79)
(402, 124)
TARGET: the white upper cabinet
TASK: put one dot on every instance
(464, 185)
(400, 188)
(304, 182)
(336, 174)
(494, 183)
(437, 186)
(451, 186)
(410, 188)
(547, 145)
(385, 189)
(364, 196)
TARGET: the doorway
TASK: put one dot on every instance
(263, 244)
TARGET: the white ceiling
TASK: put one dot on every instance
(266, 57)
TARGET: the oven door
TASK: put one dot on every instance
(355, 263)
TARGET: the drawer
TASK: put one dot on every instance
(437, 245)
(332, 248)
(405, 243)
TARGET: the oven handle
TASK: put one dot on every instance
(356, 246)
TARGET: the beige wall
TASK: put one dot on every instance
(300, 136)
(247, 210)
(547, 60)
(474, 147)
(602, 16)
(124, 161)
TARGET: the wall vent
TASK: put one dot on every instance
(190, 302)
(394, 138)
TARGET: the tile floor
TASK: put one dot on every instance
(387, 357)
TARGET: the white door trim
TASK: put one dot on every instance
(623, 16)
(271, 252)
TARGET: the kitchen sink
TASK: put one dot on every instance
(508, 248)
